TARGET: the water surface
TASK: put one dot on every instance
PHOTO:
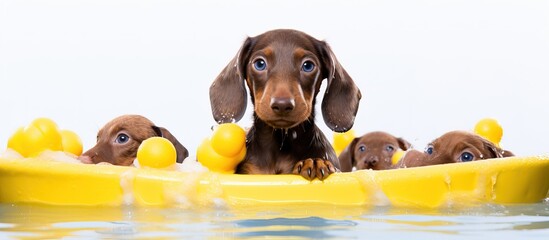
(528, 221)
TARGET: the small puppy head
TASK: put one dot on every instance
(453, 147)
(461, 146)
(119, 139)
(371, 151)
(283, 70)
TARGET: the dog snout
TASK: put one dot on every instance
(282, 106)
(85, 159)
(371, 160)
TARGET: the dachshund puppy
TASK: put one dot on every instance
(453, 147)
(283, 70)
(119, 139)
(371, 151)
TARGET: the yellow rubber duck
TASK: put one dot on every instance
(224, 150)
(342, 140)
(490, 129)
(71, 142)
(43, 134)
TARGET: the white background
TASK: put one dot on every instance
(424, 67)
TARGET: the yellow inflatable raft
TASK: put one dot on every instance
(510, 180)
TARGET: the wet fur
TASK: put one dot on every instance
(371, 151)
(284, 138)
(138, 128)
(449, 147)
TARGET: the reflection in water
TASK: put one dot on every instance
(311, 227)
(312, 222)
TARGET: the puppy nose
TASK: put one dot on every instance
(372, 160)
(282, 105)
(85, 159)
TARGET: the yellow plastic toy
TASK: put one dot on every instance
(490, 129)
(224, 150)
(43, 134)
(71, 142)
(397, 156)
(156, 152)
(342, 140)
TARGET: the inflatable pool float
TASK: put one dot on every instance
(30, 176)
(508, 180)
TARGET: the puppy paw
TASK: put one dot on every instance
(314, 168)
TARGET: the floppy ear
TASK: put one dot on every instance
(182, 152)
(507, 153)
(340, 103)
(495, 152)
(347, 158)
(228, 92)
(403, 144)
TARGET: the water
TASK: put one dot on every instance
(489, 221)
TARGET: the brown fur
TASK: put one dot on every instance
(110, 147)
(453, 147)
(371, 151)
(284, 138)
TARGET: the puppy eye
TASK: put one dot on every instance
(308, 66)
(362, 148)
(260, 65)
(466, 157)
(122, 138)
(390, 148)
(429, 150)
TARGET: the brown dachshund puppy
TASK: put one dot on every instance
(371, 151)
(453, 147)
(283, 70)
(119, 139)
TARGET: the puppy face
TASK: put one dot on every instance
(461, 146)
(119, 139)
(283, 79)
(454, 147)
(283, 70)
(372, 151)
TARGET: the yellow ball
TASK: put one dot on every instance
(490, 129)
(16, 142)
(156, 152)
(397, 156)
(71, 142)
(41, 134)
(342, 140)
(228, 139)
(214, 161)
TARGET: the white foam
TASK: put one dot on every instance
(190, 164)
(59, 156)
(10, 154)
(126, 183)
